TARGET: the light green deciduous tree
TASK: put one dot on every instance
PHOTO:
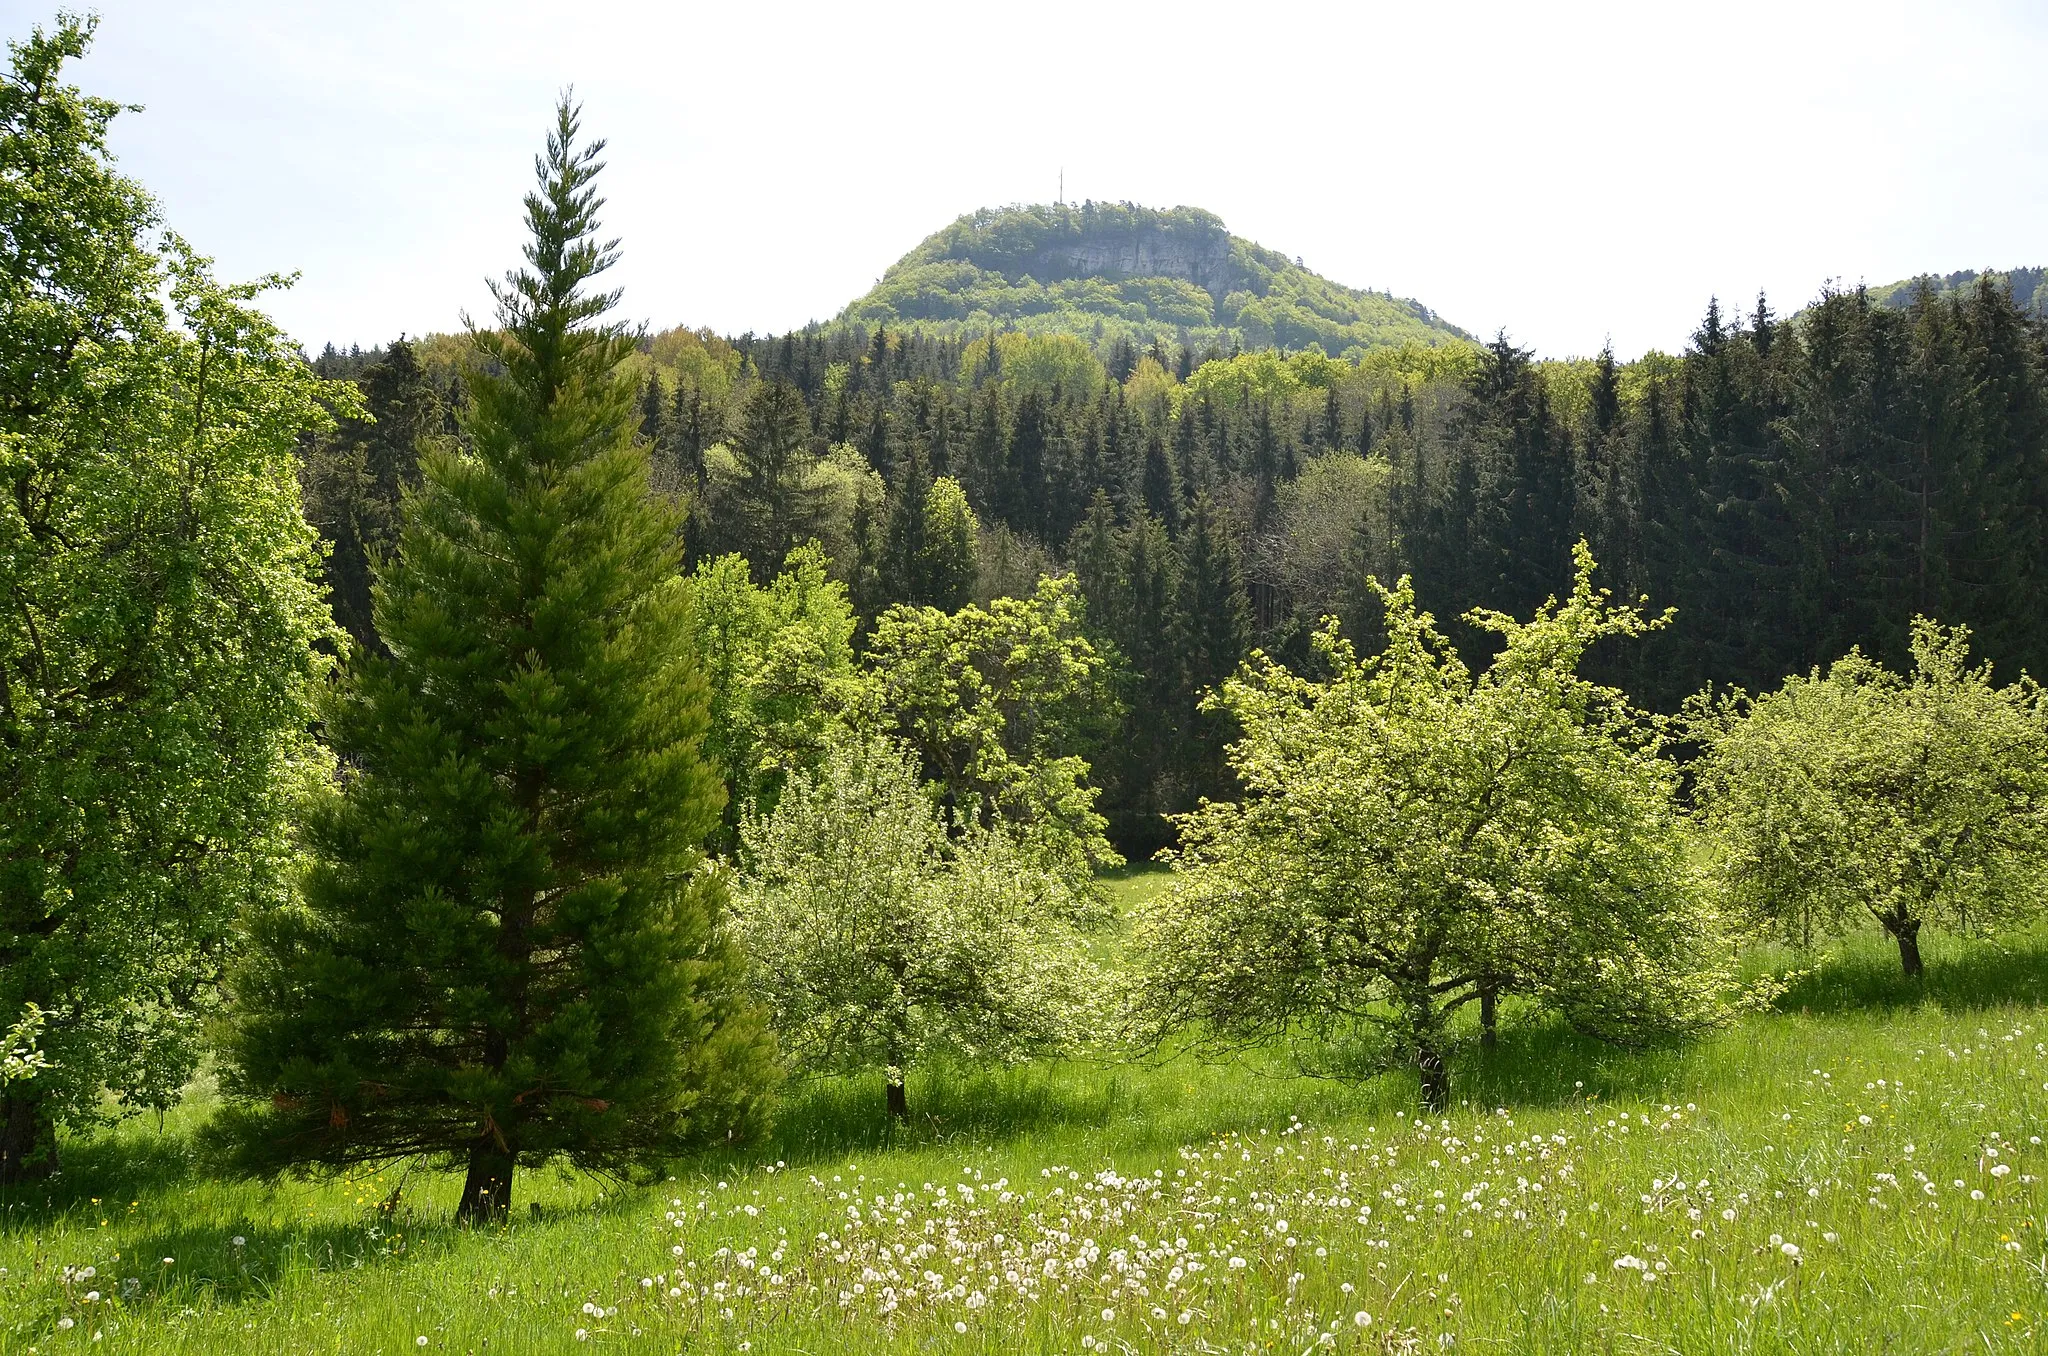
(995, 701)
(779, 661)
(1858, 792)
(879, 939)
(1415, 837)
(158, 610)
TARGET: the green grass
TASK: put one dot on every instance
(1584, 1162)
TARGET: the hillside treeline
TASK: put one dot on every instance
(1792, 487)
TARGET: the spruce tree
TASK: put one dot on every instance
(1161, 486)
(1213, 632)
(774, 504)
(651, 412)
(902, 566)
(1021, 500)
(1097, 558)
(508, 951)
(351, 480)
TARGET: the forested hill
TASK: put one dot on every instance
(1108, 271)
(2028, 288)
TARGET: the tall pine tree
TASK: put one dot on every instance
(508, 952)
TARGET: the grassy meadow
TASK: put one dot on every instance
(1859, 1171)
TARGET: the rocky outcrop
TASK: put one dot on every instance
(1143, 253)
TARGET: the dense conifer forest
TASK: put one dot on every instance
(1793, 486)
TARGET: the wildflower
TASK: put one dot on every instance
(1109, 1315)
(959, 1326)
(1791, 1250)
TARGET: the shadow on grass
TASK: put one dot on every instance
(161, 1235)
(1863, 973)
(109, 1167)
(829, 1117)
(1544, 1063)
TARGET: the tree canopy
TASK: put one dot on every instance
(157, 657)
(1859, 792)
(880, 937)
(1415, 837)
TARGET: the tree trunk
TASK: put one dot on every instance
(1907, 931)
(1489, 1021)
(28, 1139)
(1429, 1055)
(487, 1191)
(1436, 1080)
(899, 1099)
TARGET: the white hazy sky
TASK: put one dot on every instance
(1568, 171)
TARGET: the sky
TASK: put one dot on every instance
(1572, 173)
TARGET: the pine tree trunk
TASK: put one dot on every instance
(1489, 1019)
(487, 1191)
(1907, 932)
(28, 1140)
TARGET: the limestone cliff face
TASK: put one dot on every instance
(1146, 252)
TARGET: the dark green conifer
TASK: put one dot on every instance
(651, 412)
(1213, 632)
(1097, 557)
(1161, 486)
(774, 504)
(351, 480)
(508, 951)
(903, 540)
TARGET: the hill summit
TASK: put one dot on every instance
(1102, 271)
